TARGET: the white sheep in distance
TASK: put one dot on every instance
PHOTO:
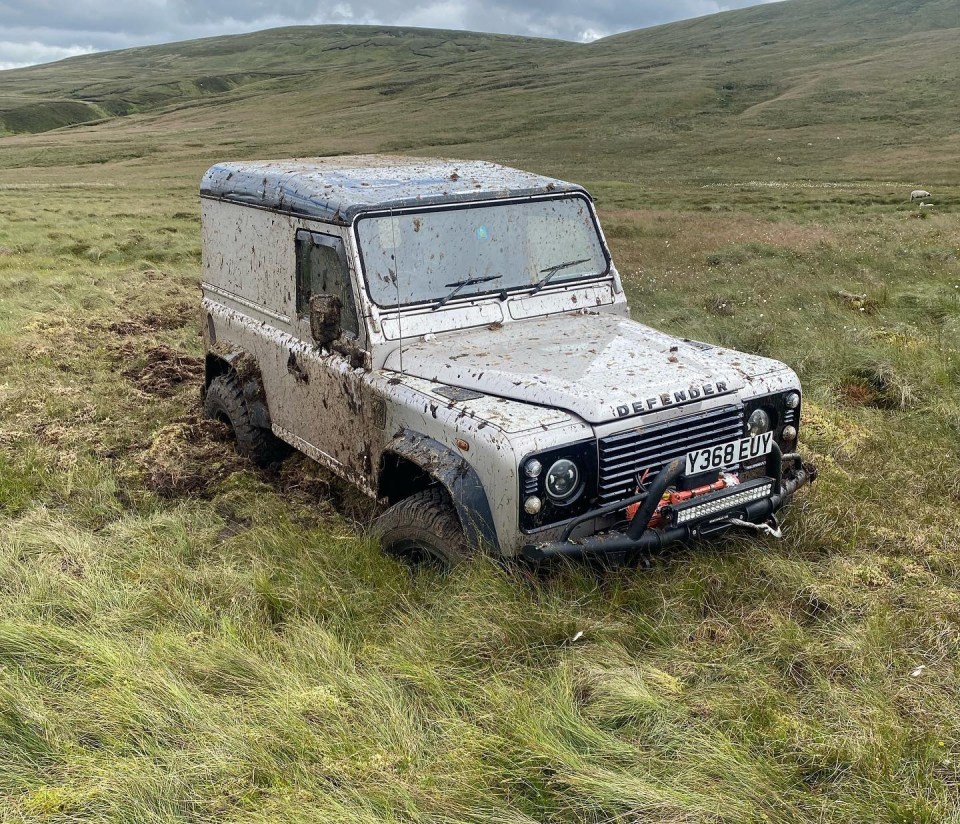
(919, 194)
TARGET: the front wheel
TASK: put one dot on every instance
(423, 530)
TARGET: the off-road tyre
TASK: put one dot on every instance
(224, 401)
(424, 530)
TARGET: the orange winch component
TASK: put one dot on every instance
(674, 496)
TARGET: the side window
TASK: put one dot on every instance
(322, 270)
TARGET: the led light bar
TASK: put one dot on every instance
(717, 503)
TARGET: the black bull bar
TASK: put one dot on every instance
(784, 474)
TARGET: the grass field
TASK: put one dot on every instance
(186, 639)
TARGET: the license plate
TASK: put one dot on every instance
(728, 454)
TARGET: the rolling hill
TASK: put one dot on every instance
(880, 75)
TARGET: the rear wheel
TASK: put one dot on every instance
(224, 402)
(423, 530)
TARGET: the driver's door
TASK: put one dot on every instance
(332, 410)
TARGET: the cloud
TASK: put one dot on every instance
(16, 55)
(589, 35)
(43, 30)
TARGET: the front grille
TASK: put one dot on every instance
(626, 455)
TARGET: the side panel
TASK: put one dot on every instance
(339, 418)
(353, 425)
(248, 258)
(319, 401)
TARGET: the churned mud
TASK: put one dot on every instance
(193, 456)
(188, 457)
(138, 325)
(161, 370)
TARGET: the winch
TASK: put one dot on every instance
(672, 497)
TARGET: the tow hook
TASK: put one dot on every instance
(770, 527)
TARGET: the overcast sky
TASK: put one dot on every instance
(38, 31)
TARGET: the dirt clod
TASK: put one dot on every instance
(164, 370)
(189, 457)
(144, 325)
(857, 302)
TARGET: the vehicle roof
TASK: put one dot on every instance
(338, 189)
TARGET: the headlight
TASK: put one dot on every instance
(792, 401)
(563, 480)
(557, 484)
(758, 422)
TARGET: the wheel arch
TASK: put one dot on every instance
(214, 365)
(412, 462)
(247, 371)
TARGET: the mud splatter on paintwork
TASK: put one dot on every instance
(338, 189)
(543, 371)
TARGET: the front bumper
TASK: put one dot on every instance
(705, 515)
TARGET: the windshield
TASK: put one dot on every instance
(418, 257)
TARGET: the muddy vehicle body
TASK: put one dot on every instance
(453, 339)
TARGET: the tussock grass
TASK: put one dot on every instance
(184, 638)
(236, 650)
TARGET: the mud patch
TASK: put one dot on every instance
(50, 432)
(857, 395)
(883, 386)
(300, 476)
(233, 528)
(189, 457)
(161, 370)
(193, 456)
(720, 306)
(145, 324)
(300, 479)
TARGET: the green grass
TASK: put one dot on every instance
(183, 638)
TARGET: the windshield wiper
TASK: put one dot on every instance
(460, 284)
(550, 271)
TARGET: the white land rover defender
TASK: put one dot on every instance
(453, 339)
